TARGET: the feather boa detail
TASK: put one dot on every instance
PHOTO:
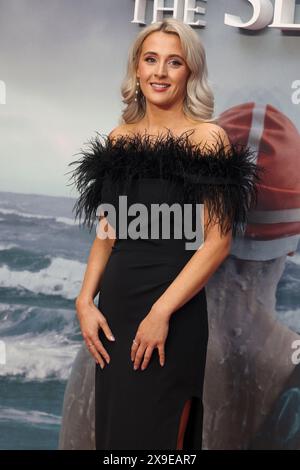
(223, 177)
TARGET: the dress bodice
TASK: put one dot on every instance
(152, 214)
(167, 169)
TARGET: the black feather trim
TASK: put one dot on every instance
(224, 177)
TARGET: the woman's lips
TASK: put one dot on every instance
(159, 88)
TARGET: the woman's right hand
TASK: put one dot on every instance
(91, 320)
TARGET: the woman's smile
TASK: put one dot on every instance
(159, 87)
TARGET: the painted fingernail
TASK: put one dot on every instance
(112, 338)
(135, 367)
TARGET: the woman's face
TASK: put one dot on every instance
(162, 61)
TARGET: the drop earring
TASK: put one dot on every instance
(137, 90)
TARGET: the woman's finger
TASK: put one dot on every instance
(105, 327)
(138, 356)
(134, 348)
(161, 353)
(100, 348)
(147, 357)
(93, 351)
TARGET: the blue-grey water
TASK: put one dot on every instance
(42, 260)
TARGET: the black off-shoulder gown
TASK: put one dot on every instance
(141, 409)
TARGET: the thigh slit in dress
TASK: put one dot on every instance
(141, 409)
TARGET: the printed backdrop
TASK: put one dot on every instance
(61, 65)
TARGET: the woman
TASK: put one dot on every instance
(149, 333)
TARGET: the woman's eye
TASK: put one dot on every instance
(175, 62)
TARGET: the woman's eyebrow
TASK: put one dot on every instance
(170, 55)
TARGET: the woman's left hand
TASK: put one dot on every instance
(151, 333)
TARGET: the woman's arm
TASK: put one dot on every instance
(88, 178)
(90, 317)
(97, 260)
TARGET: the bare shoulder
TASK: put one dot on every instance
(120, 131)
(211, 135)
(116, 132)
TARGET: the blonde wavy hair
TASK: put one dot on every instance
(199, 99)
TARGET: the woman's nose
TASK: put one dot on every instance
(161, 70)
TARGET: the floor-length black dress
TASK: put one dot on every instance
(141, 409)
